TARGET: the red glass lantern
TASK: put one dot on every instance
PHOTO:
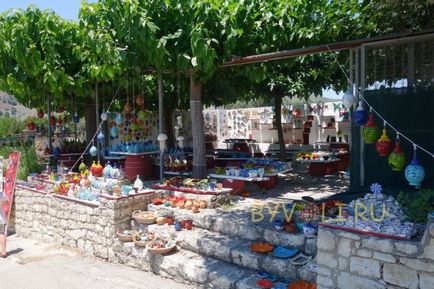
(384, 144)
(40, 114)
(52, 120)
(61, 109)
(31, 125)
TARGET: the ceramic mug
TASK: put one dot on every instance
(178, 226)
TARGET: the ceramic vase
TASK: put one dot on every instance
(383, 145)
(397, 158)
(414, 172)
(370, 132)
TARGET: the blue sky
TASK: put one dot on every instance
(68, 9)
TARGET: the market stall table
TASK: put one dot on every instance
(321, 168)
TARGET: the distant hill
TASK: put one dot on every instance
(9, 106)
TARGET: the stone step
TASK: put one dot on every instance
(232, 250)
(240, 225)
(187, 267)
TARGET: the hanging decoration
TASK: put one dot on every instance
(76, 117)
(348, 100)
(383, 144)
(139, 100)
(40, 114)
(31, 125)
(52, 120)
(397, 158)
(370, 132)
(119, 119)
(101, 137)
(93, 151)
(414, 172)
(359, 116)
(114, 132)
(103, 116)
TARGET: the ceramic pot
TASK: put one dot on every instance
(178, 226)
(161, 220)
(117, 191)
(188, 204)
(383, 145)
(184, 223)
(414, 172)
(170, 220)
(290, 227)
(181, 204)
(203, 204)
(195, 209)
(278, 224)
(189, 224)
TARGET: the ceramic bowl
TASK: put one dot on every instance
(309, 230)
(278, 224)
(300, 226)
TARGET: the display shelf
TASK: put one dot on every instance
(255, 179)
(193, 191)
(177, 173)
(319, 161)
(83, 202)
(278, 173)
(142, 192)
(135, 154)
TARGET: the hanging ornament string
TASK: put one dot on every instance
(96, 132)
(371, 109)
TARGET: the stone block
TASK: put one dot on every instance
(326, 259)
(364, 253)
(428, 252)
(227, 276)
(400, 275)
(418, 264)
(326, 240)
(384, 257)
(382, 245)
(324, 281)
(347, 235)
(349, 281)
(324, 271)
(280, 267)
(406, 247)
(304, 274)
(426, 281)
(344, 247)
(343, 263)
(244, 257)
(284, 239)
(365, 267)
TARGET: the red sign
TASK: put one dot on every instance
(9, 182)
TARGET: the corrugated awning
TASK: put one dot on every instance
(318, 49)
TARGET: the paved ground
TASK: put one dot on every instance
(34, 265)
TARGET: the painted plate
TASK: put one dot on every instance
(282, 252)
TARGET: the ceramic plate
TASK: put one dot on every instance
(282, 252)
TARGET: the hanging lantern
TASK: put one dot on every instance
(141, 115)
(114, 132)
(119, 119)
(31, 125)
(93, 151)
(61, 109)
(103, 116)
(139, 100)
(52, 120)
(348, 99)
(383, 144)
(359, 116)
(397, 158)
(40, 114)
(128, 107)
(414, 172)
(76, 118)
(101, 137)
(370, 132)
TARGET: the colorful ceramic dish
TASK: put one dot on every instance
(282, 252)
(260, 247)
(264, 283)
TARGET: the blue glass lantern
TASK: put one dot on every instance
(93, 151)
(76, 118)
(359, 116)
(101, 137)
(114, 132)
(119, 119)
(414, 172)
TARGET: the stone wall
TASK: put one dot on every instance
(347, 261)
(91, 228)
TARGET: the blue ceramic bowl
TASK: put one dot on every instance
(126, 189)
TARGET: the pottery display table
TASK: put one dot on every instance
(236, 183)
(193, 190)
(138, 164)
(321, 168)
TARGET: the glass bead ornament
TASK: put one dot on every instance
(119, 118)
(107, 170)
(359, 116)
(414, 172)
(76, 118)
(93, 151)
(127, 107)
(101, 137)
(104, 116)
(397, 158)
(383, 144)
(348, 100)
(114, 132)
(370, 131)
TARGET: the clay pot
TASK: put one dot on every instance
(290, 227)
(161, 220)
(173, 204)
(116, 191)
(181, 204)
(170, 220)
(188, 204)
(189, 224)
(203, 204)
(195, 209)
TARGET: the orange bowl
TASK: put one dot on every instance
(260, 247)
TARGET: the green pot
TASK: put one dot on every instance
(371, 132)
(397, 159)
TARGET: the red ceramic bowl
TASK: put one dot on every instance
(264, 283)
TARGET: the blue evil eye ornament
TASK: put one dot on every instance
(359, 116)
(93, 151)
(76, 118)
(414, 172)
(101, 137)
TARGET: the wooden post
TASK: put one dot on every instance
(198, 131)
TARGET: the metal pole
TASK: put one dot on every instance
(160, 118)
(362, 91)
(97, 120)
(50, 142)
